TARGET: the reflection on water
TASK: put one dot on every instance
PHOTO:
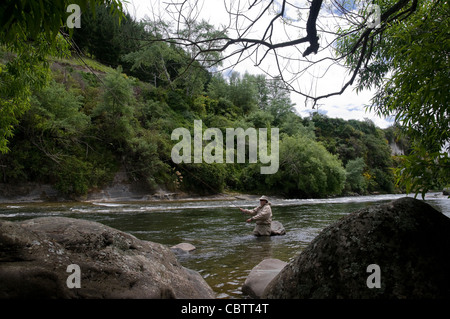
(226, 250)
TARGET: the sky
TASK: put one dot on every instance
(348, 105)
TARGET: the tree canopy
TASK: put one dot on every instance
(30, 30)
(408, 66)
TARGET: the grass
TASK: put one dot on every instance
(85, 63)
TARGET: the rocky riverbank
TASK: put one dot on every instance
(120, 192)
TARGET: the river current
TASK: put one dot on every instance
(226, 249)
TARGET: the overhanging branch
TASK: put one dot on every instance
(248, 46)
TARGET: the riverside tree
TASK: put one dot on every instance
(31, 30)
(408, 65)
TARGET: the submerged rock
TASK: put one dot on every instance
(182, 249)
(35, 255)
(261, 275)
(407, 238)
(184, 246)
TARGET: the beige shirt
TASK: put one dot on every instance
(262, 215)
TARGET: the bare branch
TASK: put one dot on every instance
(268, 34)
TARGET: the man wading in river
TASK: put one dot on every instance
(262, 215)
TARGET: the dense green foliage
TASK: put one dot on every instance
(408, 65)
(84, 124)
(30, 32)
(307, 169)
(80, 130)
(363, 148)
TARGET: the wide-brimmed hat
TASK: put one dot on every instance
(264, 198)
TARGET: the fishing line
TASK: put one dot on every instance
(210, 187)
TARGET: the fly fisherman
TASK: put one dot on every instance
(262, 215)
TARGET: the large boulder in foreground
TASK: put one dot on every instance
(406, 238)
(35, 254)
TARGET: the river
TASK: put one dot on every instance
(226, 250)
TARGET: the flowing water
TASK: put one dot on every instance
(226, 249)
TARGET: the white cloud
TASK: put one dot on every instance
(348, 105)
